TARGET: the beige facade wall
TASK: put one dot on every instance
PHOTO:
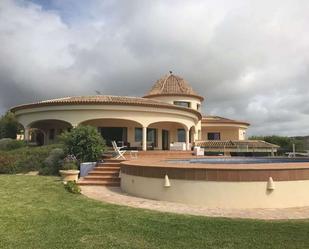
(219, 194)
(170, 99)
(113, 116)
(242, 134)
(131, 125)
(226, 133)
(196, 104)
(76, 114)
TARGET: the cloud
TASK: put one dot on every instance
(250, 59)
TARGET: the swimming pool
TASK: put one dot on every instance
(241, 160)
(220, 182)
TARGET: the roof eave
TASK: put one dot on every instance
(42, 104)
(174, 94)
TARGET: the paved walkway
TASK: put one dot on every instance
(116, 196)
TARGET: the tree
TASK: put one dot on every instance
(9, 126)
(85, 142)
(285, 143)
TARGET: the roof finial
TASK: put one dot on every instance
(171, 72)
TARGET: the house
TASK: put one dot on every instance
(170, 112)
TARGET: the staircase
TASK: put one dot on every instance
(104, 174)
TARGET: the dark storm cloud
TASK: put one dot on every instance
(249, 58)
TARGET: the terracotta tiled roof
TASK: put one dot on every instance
(216, 120)
(103, 99)
(172, 85)
(235, 144)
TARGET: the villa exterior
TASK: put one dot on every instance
(170, 112)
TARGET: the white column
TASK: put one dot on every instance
(187, 139)
(159, 131)
(144, 138)
(27, 134)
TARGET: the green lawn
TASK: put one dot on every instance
(36, 212)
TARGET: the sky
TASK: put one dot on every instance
(249, 58)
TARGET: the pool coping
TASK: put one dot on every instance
(156, 168)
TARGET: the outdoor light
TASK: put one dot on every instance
(270, 184)
(167, 183)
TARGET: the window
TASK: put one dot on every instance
(182, 103)
(152, 136)
(138, 134)
(213, 136)
(181, 135)
(198, 107)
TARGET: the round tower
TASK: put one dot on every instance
(175, 90)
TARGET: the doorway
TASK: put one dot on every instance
(118, 134)
(165, 140)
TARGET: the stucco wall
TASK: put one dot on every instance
(76, 114)
(219, 194)
(226, 133)
(171, 99)
(113, 115)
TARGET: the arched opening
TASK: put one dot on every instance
(192, 134)
(44, 132)
(124, 132)
(168, 133)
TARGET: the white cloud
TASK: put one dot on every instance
(249, 58)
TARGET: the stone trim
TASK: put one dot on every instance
(226, 175)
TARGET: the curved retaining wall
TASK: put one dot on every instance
(219, 186)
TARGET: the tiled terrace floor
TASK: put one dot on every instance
(116, 196)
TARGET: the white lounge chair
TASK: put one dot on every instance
(178, 146)
(198, 151)
(119, 153)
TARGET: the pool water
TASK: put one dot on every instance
(242, 160)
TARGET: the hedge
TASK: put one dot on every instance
(28, 159)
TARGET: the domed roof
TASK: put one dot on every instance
(172, 85)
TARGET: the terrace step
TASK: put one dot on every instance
(102, 168)
(113, 160)
(101, 178)
(104, 174)
(98, 183)
(108, 164)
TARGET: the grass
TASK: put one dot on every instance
(37, 212)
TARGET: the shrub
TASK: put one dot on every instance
(85, 142)
(9, 126)
(53, 162)
(11, 144)
(7, 165)
(24, 159)
(69, 165)
(72, 187)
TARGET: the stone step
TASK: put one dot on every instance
(103, 178)
(113, 160)
(98, 183)
(108, 164)
(104, 168)
(103, 173)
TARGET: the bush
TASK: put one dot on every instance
(72, 187)
(24, 159)
(69, 165)
(9, 126)
(85, 142)
(7, 164)
(11, 144)
(53, 162)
